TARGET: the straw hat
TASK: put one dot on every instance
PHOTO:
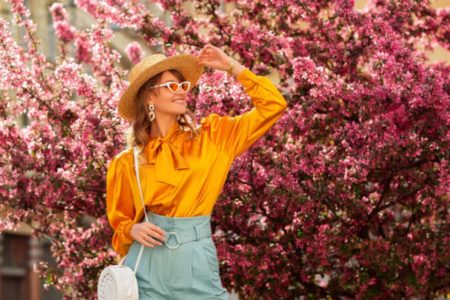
(186, 64)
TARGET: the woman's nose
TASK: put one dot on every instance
(181, 90)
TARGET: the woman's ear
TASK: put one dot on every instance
(149, 100)
(150, 97)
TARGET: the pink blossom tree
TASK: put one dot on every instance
(346, 196)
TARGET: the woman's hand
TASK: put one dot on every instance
(147, 234)
(213, 57)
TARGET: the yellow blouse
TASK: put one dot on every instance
(184, 178)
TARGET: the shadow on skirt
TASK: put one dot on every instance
(190, 270)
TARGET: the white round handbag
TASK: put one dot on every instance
(118, 282)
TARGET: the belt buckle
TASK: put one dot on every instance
(175, 234)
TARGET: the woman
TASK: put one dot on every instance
(183, 168)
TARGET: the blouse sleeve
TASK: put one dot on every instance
(235, 134)
(119, 205)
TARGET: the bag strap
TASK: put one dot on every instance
(136, 169)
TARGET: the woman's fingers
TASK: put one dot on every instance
(149, 242)
(205, 55)
(207, 50)
(213, 57)
(152, 241)
(155, 231)
(155, 228)
(148, 234)
(204, 51)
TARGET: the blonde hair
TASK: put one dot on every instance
(138, 133)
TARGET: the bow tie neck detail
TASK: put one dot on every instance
(166, 159)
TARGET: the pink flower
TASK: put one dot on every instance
(134, 52)
(64, 31)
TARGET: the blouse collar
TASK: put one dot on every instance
(174, 128)
(165, 156)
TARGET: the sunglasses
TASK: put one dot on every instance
(174, 86)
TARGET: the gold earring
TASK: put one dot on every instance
(151, 112)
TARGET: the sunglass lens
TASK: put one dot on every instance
(173, 86)
(185, 86)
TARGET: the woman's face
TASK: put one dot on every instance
(166, 101)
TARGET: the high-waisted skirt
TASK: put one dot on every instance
(185, 266)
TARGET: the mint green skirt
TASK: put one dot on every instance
(184, 267)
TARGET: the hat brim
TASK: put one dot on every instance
(186, 64)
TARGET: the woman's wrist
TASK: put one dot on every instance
(234, 68)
